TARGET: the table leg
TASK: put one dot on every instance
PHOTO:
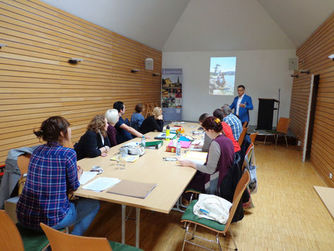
(137, 226)
(123, 223)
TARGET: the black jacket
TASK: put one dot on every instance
(89, 145)
(150, 124)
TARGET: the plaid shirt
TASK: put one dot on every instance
(235, 124)
(52, 174)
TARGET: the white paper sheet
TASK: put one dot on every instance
(197, 157)
(87, 176)
(101, 184)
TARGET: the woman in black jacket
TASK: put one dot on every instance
(95, 141)
(153, 123)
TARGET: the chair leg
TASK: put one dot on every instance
(194, 231)
(235, 244)
(265, 138)
(218, 242)
(286, 140)
(185, 235)
(276, 139)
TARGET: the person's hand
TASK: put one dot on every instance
(104, 149)
(80, 171)
(104, 154)
(184, 162)
(147, 137)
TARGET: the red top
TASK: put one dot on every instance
(228, 132)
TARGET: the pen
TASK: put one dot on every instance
(204, 211)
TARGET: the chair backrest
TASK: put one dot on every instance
(248, 157)
(242, 184)
(253, 137)
(245, 124)
(60, 241)
(283, 125)
(23, 164)
(9, 235)
(242, 136)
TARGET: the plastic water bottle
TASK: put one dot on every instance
(178, 148)
(143, 142)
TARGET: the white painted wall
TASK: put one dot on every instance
(263, 72)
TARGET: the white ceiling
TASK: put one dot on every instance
(225, 25)
(298, 18)
(179, 25)
(146, 21)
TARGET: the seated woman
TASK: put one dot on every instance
(218, 113)
(137, 118)
(220, 157)
(154, 122)
(112, 118)
(52, 175)
(124, 132)
(95, 141)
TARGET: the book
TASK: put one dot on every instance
(132, 188)
(154, 144)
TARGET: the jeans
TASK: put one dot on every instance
(81, 213)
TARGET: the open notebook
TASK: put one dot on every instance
(133, 189)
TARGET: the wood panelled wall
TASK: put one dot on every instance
(36, 80)
(313, 55)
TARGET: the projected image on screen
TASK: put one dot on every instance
(222, 75)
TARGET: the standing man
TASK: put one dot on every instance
(242, 104)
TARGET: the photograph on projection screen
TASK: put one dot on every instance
(222, 75)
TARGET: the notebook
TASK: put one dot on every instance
(163, 136)
(132, 188)
(100, 184)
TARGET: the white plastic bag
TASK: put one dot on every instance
(212, 207)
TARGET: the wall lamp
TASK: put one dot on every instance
(134, 70)
(75, 60)
(2, 45)
(305, 71)
(331, 57)
(294, 75)
(156, 74)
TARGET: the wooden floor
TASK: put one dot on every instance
(288, 214)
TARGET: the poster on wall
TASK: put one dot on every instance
(222, 75)
(171, 94)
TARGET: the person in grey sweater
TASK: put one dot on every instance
(220, 157)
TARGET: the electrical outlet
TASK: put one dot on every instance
(330, 175)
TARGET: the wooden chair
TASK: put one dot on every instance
(190, 218)
(281, 130)
(60, 241)
(242, 136)
(23, 163)
(245, 124)
(253, 137)
(12, 240)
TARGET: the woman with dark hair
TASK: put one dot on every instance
(95, 141)
(137, 118)
(220, 157)
(52, 175)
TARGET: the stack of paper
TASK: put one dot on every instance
(101, 184)
(196, 157)
(87, 176)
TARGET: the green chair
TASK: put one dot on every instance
(190, 218)
(12, 240)
(60, 241)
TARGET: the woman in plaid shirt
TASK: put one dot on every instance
(52, 175)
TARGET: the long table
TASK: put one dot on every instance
(171, 179)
